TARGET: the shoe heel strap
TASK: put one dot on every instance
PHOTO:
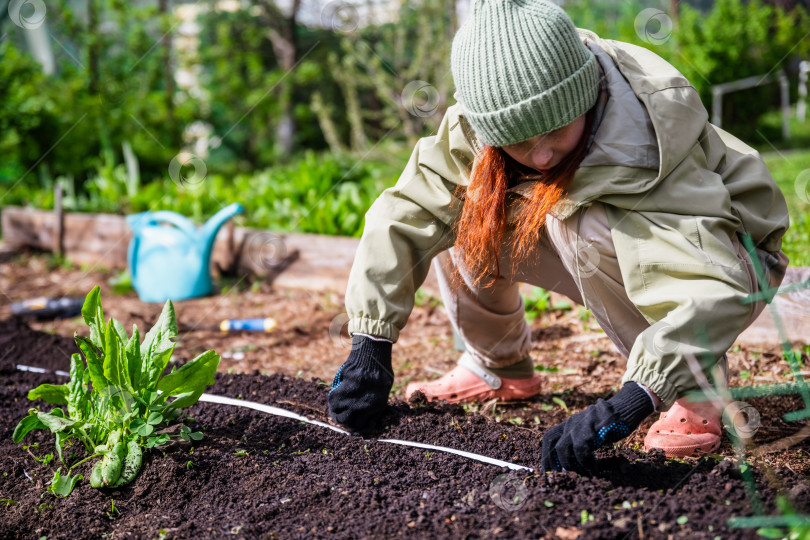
(493, 381)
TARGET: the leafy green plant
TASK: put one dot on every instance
(539, 301)
(61, 486)
(121, 282)
(113, 510)
(315, 193)
(117, 397)
(561, 403)
(536, 303)
(422, 299)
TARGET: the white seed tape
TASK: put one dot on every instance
(276, 411)
(462, 453)
(42, 370)
(281, 412)
(210, 398)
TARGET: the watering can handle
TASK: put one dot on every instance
(174, 218)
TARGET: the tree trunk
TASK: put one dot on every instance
(285, 46)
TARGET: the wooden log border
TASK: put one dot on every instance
(100, 240)
(307, 261)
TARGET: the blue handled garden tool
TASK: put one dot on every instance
(173, 262)
(233, 325)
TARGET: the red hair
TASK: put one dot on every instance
(481, 229)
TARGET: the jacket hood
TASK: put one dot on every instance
(676, 114)
(634, 151)
(673, 104)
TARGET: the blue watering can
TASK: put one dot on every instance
(173, 262)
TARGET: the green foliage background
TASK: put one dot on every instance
(70, 128)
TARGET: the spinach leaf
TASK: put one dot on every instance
(26, 425)
(55, 394)
(186, 399)
(115, 367)
(133, 354)
(95, 363)
(77, 392)
(61, 486)
(157, 346)
(120, 330)
(191, 377)
(55, 422)
(93, 316)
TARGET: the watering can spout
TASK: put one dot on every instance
(208, 233)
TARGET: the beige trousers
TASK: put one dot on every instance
(576, 258)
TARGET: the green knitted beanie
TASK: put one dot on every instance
(521, 69)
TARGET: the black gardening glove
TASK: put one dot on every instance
(361, 386)
(569, 446)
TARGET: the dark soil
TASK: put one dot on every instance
(254, 475)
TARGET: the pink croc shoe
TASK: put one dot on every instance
(686, 429)
(471, 382)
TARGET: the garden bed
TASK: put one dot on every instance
(254, 474)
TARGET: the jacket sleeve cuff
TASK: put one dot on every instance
(656, 382)
(373, 327)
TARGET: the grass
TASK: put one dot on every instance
(791, 170)
(769, 132)
(319, 193)
(787, 160)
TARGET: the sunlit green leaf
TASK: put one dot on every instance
(61, 486)
(55, 394)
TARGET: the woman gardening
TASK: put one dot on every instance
(587, 167)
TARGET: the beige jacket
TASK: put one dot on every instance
(676, 210)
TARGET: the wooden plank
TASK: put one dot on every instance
(60, 221)
(25, 227)
(97, 240)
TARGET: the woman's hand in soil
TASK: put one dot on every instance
(361, 386)
(569, 446)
